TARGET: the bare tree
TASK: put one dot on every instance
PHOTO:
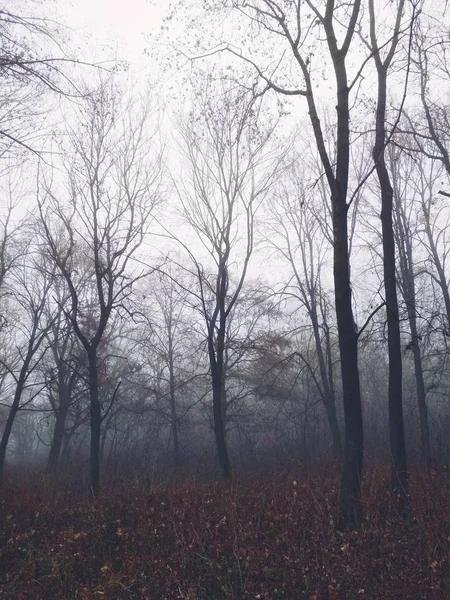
(95, 227)
(171, 330)
(11, 249)
(434, 230)
(383, 56)
(298, 237)
(231, 167)
(5, 261)
(431, 131)
(297, 26)
(429, 136)
(36, 64)
(65, 383)
(30, 286)
(405, 231)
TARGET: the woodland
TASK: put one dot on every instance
(225, 304)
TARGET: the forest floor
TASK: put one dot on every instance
(260, 538)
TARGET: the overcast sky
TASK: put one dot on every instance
(111, 23)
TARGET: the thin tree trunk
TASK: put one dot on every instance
(396, 422)
(8, 427)
(330, 408)
(95, 414)
(64, 399)
(442, 278)
(58, 436)
(310, 289)
(173, 405)
(328, 396)
(420, 386)
(404, 235)
(103, 438)
(16, 403)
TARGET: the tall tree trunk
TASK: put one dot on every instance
(396, 423)
(350, 510)
(96, 419)
(217, 363)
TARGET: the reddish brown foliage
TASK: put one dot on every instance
(265, 538)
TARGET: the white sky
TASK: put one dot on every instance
(124, 25)
(124, 29)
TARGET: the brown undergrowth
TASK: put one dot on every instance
(263, 538)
